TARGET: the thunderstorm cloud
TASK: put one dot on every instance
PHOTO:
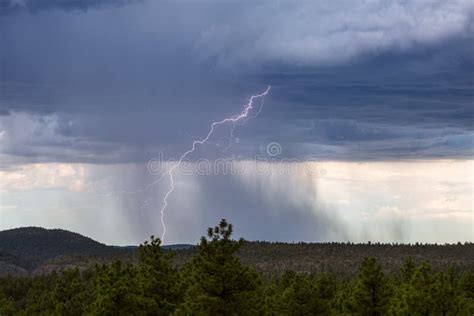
(95, 88)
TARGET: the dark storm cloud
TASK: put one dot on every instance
(106, 83)
(116, 91)
(16, 6)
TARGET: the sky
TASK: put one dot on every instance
(366, 134)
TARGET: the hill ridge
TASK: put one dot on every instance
(36, 249)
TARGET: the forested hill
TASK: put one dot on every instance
(27, 248)
(33, 250)
(223, 276)
(46, 243)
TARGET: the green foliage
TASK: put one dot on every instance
(407, 270)
(39, 299)
(158, 278)
(428, 293)
(414, 296)
(7, 305)
(117, 291)
(148, 289)
(466, 290)
(218, 284)
(302, 294)
(370, 292)
(214, 281)
(70, 293)
(28, 247)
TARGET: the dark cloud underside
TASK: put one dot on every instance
(8, 7)
(121, 84)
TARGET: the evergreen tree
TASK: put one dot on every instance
(70, 295)
(342, 303)
(7, 305)
(445, 294)
(407, 270)
(218, 284)
(467, 291)
(416, 296)
(39, 299)
(117, 291)
(370, 293)
(158, 278)
(296, 295)
(326, 289)
(301, 294)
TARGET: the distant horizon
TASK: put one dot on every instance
(370, 242)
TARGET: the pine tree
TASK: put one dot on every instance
(39, 299)
(218, 284)
(296, 295)
(158, 278)
(117, 291)
(302, 294)
(445, 294)
(70, 295)
(416, 296)
(407, 270)
(326, 289)
(467, 291)
(370, 292)
(7, 305)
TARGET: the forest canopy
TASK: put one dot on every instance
(215, 282)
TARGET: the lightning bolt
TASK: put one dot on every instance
(231, 139)
(242, 116)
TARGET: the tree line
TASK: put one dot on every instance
(215, 282)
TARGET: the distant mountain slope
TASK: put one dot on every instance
(28, 247)
(46, 243)
(35, 250)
